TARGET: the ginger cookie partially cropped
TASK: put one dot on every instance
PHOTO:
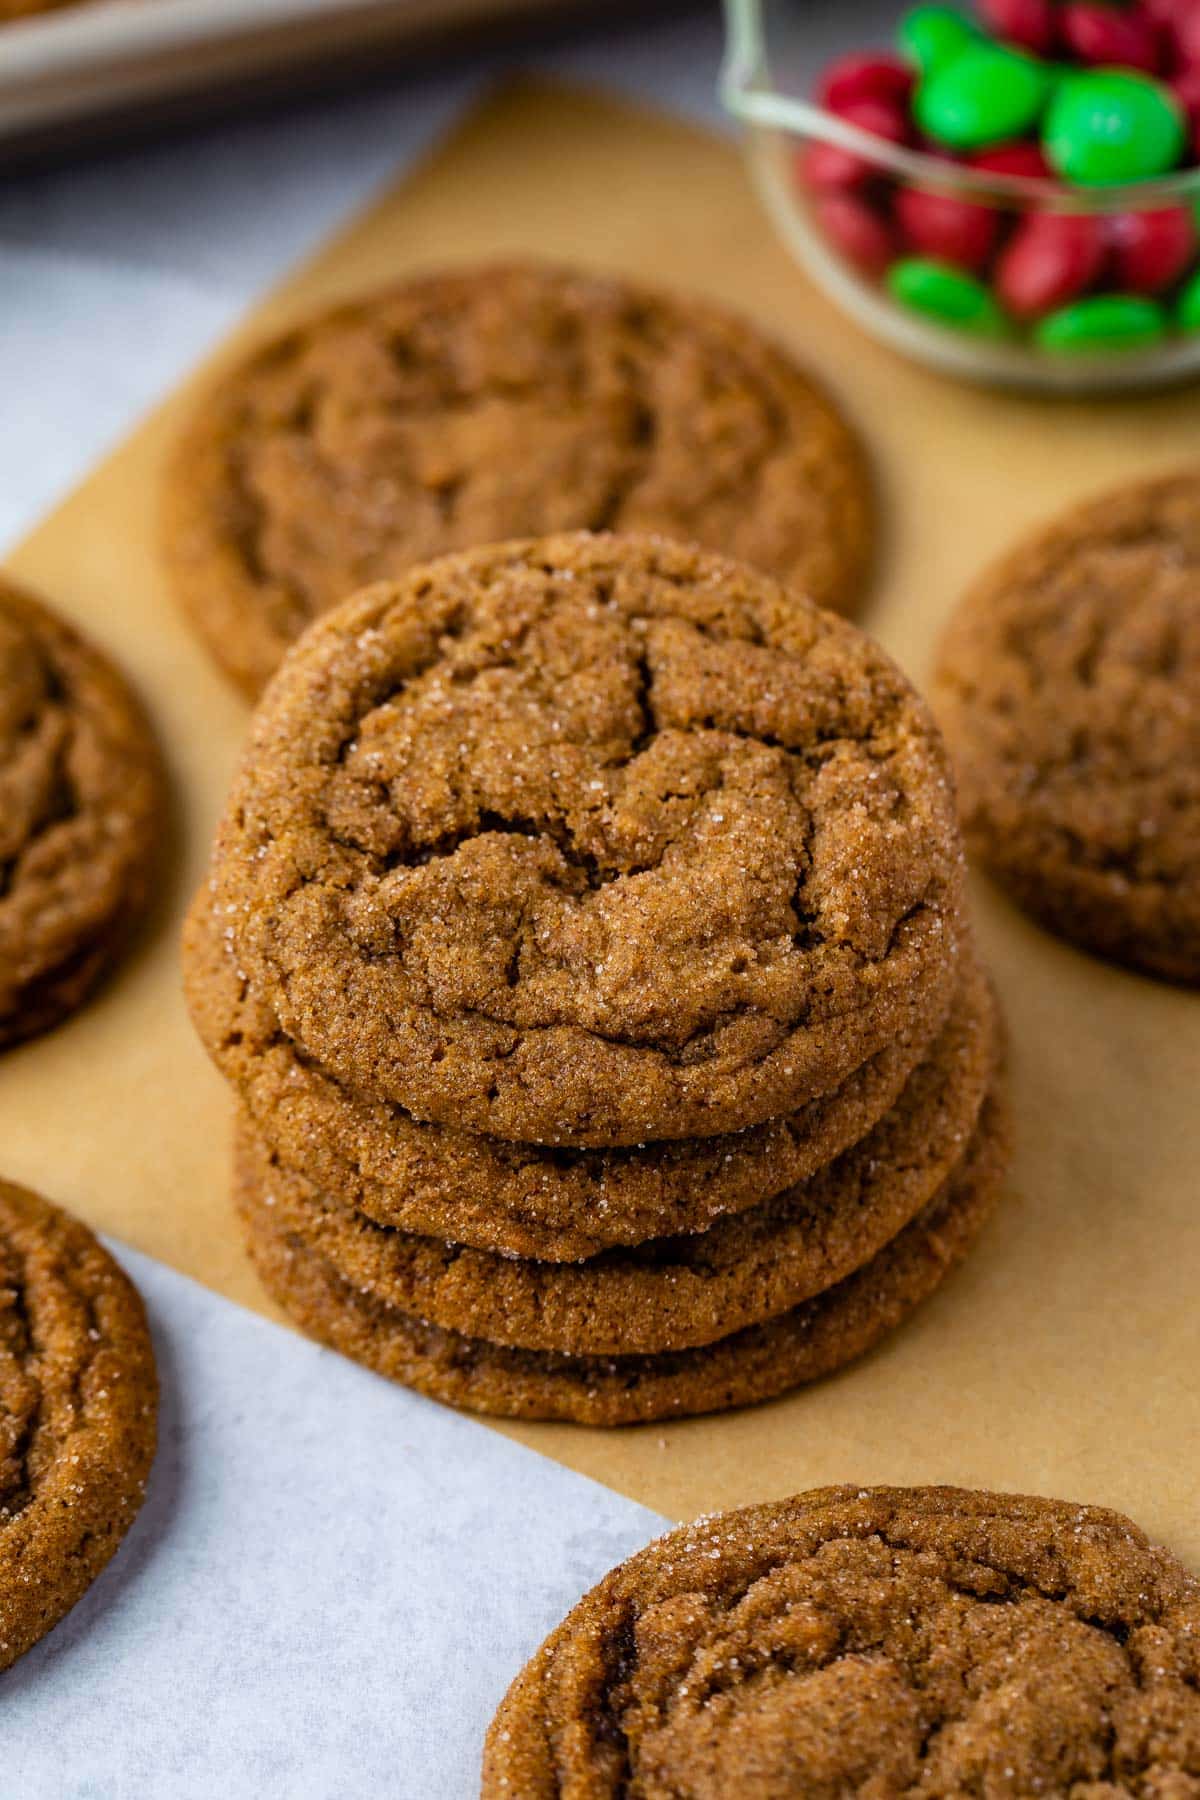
(516, 1199)
(496, 403)
(869, 1644)
(1069, 687)
(81, 799)
(78, 1403)
(591, 841)
(810, 1341)
(671, 1293)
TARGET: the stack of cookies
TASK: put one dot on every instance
(584, 943)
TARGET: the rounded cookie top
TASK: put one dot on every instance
(1069, 686)
(591, 840)
(517, 1199)
(872, 1641)
(80, 800)
(78, 1397)
(672, 1293)
(497, 403)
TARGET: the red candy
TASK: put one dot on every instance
(882, 118)
(1186, 35)
(1103, 34)
(1179, 28)
(1028, 23)
(1051, 258)
(942, 226)
(865, 77)
(1187, 91)
(863, 237)
(1033, 262)
(1020, 158)
(1151, 250)
(828, 166)
(1179, 21)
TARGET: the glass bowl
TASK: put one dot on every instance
(769, 71)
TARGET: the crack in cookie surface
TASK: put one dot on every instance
(545, 802)
(890, 1644)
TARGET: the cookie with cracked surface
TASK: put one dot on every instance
(515, 1199)
(78, 1400)
(670, 1293)
(1069, 686)
(592, 841)
(81, 797)
(812, 1340)
(876, 1642)
(497, 403)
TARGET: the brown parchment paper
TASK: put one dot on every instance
(1065, 1358)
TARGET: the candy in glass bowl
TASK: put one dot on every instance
(1010, 192)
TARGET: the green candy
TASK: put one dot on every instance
(1105, 322)
(945, 294)
(930, 36)
(1113, 125)
(983, 96)
(1188, 310)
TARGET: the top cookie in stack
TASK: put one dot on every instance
(579, 893)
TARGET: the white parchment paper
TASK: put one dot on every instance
(326, 1594)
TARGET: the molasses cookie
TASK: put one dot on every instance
(810, 1341)
(670, 1293)
(592, 841)
(80, 807)
(78, 1397)
(497, 403)
(516, 1199)
(881, 1642)
(1069, 686)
